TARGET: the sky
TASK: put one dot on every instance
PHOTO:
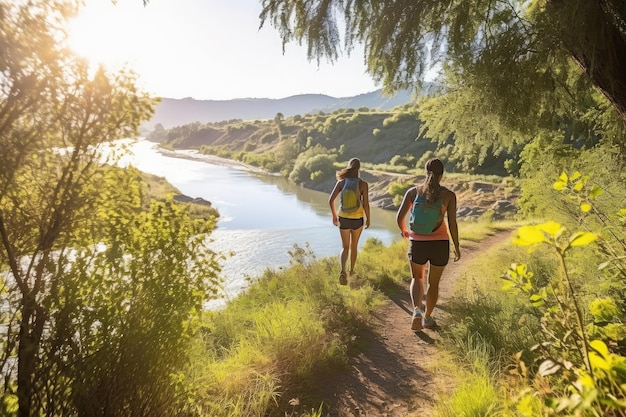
(208, 50)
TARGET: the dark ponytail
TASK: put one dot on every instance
(430, 187)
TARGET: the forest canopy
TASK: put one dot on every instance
(496, 40)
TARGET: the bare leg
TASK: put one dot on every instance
(433, 288)
(354, 245)
(417, 284)
(345, 247)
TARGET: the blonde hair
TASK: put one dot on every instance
(352, 171)
(430, 187)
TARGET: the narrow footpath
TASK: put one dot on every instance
(392, 376)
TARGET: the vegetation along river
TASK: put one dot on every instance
(262, 216)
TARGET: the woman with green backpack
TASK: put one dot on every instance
(354, 213)
(429, 238)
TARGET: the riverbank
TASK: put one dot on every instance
(476, 197)
(195, 155)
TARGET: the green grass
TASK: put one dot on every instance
(491, 326)
(157, 188)
(476, 395)
(261, 354)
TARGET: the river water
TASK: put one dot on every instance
(261, 216)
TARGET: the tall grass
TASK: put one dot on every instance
(477, 394)
(262, 353)
(257, 356)
(489, 327)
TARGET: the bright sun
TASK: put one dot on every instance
(106, 34)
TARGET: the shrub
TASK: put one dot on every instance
(397, 189)
(582, 366)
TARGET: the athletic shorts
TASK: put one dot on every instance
(354, 224)
(437, 252)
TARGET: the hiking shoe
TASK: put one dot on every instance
(343, 279)
(416, 323)
(428, 322)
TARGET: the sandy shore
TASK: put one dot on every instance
(193, 154)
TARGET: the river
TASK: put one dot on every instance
(262, 216)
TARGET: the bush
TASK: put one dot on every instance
(581, 365)
(397, 189)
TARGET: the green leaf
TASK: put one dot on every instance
(508, 285)
(520, 269)
(595, 191)
(582, 238)
(600, 347)
(599, 357)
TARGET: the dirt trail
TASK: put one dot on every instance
(393, 375)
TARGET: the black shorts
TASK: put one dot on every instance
(354, 224)
(435, 251)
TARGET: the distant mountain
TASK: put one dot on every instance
(177, 112)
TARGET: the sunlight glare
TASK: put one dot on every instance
(107, 34)
(206, 49)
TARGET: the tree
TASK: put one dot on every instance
(405, 38)
(86, 274)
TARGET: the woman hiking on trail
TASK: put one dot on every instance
(354, 205)
(429, 241)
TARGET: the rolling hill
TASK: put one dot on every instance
(177, 112)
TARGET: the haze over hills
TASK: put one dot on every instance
(177, 112)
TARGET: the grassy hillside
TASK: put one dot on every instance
(387, 139)
(310, 149)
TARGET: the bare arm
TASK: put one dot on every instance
(366, 202)
(452, 225)
(331, 200)
(403, 210)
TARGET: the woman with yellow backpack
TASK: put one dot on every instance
(353, 215)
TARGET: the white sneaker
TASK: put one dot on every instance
(416, 323)
(428, 322)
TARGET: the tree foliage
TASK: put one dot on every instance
(403, 39)
(97, 294)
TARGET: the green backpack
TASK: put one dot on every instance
(425, 217)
